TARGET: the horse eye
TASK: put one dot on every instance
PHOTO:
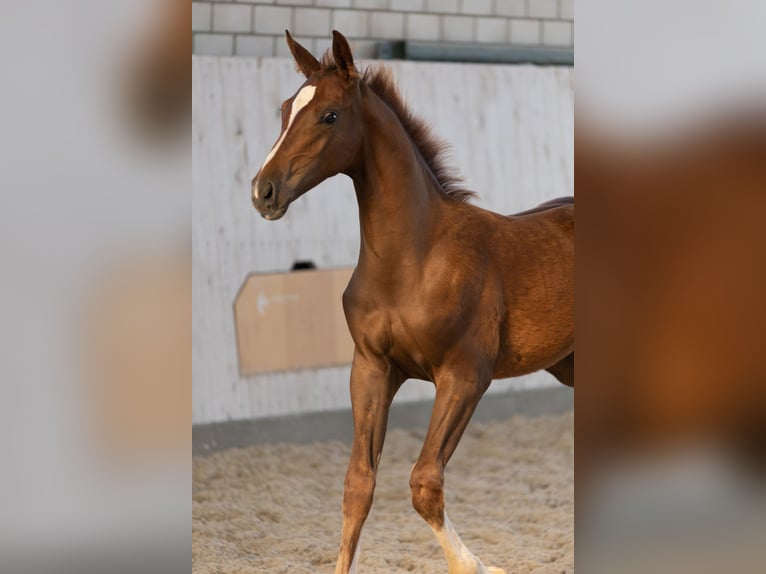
(329, 117)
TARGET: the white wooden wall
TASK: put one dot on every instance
(512, 132)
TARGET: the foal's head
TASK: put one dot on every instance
(321, 130)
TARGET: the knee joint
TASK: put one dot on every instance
(427, 487)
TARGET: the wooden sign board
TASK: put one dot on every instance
(290, 321)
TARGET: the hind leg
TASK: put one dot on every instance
(564, 370)
(453, 406)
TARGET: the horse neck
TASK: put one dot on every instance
(400, 201)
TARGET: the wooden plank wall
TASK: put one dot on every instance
(511, 128)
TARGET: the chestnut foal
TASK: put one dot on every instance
(443, 290)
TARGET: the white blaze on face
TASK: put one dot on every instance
(304, 96)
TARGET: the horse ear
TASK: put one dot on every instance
(341, 51)
(306, 63)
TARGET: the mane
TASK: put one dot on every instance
(434, 150)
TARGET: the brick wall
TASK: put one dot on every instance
(256, 27)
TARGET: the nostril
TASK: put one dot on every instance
(269, 192)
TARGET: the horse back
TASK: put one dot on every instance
(558, 202)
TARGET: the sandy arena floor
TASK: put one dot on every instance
(276, 508)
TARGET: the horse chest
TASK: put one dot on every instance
(413, 331)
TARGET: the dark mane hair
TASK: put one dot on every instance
(433, 149)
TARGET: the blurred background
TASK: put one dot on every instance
(95, 296)
(670, 156)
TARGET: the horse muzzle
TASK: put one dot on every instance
(265, 196)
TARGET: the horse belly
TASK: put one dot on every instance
(431, 334)
(536, 336)
(538, 295)
(523, 356)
